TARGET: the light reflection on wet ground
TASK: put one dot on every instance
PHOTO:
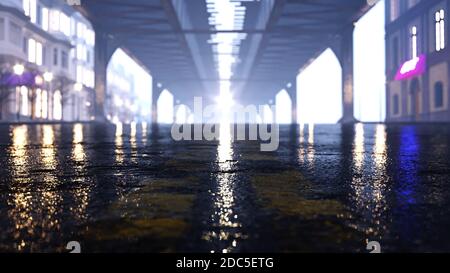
(131, 188)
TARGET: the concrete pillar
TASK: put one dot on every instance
(346, 58)
(292, 90)
(156, 91)
(104, 49)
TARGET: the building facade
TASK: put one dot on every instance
(46, 62)
(417, 60)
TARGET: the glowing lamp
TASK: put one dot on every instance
(412, 68)
(48, 76)
(38, 80)
(78, 87)
(18, 69)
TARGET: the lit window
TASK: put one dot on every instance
(54, 20)
(44, 104)
(440, 30)
(29, 7)
(64, 24)
(45, 24)
(31, 50)
(57, 105)
(24, 100)
(38, 53)
(34, 52)
(90, 37)
(80, 30)
(38, 103)
(414, 42)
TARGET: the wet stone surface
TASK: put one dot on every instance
(132, 188)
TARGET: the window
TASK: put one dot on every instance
(34, 52)
(38, 53)
(44, 104)
(395, 56)
(44, 55)
(90, 37)
(414, 42)
(57, 105)
(64, 59)
(54, 20)
(15, 33)
(45, 25)
(29, 7)
(80, 30)
(438, 95)
(440, 30)
(395, 9)
(2, 28)
(25, 45)
(39, 15)
(31, 50)
(396, 105)
(24, 100)
(38, 103)
(55, 56)
(64, 24)
(73, 27)
(81, 52)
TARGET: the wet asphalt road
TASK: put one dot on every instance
(131, 188)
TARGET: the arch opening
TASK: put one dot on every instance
(319, 90)
(370, 66)
(165, 107)
(129, 90)
(283, 108)
(182, 114)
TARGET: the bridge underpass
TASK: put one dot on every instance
(181, 181)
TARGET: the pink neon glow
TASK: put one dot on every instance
(411, 68)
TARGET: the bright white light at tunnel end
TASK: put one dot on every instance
(225, 100)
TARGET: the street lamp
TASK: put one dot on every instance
(48, 76)
(18, 69)
(78, 87)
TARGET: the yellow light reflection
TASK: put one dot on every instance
(311, 151)
(80, 194)
(78, 149)
(380, 159)
(119, 143)
(301, 150)
(133, 141)
(358, 150)
(144, 132)
(35, 213)
(224, 217)
(380, 147)
(368, 184)
(48, 149)
(20, 203)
